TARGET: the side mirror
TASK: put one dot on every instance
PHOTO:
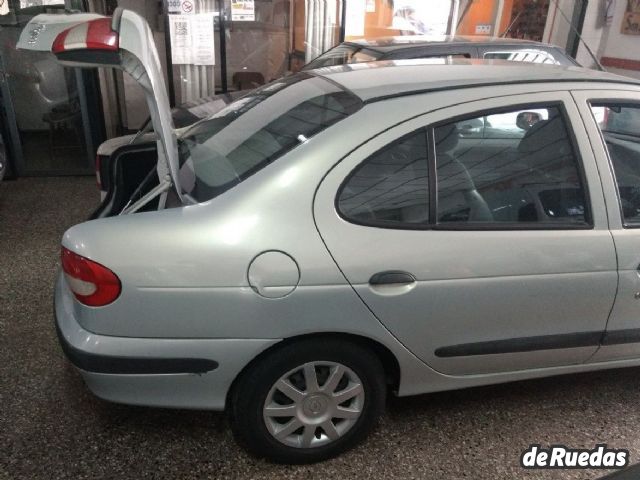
(526, 120)
(470, 128)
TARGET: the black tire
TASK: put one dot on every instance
(250, 391)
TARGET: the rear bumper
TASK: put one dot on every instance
(164, 372)
(127, 365)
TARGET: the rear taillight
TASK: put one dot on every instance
(92, 35)
(91, 283)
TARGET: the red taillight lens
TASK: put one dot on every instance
(100, 36)
(91, 283)
(58, 43)
(91, 35)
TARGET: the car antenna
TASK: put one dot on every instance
(575, 30)
(511, 25)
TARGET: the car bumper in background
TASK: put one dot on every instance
(163, 372)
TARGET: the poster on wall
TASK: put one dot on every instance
(417, 17)
(354, 21)
(192, 39)
(631, 19)
(371, 6)
(243, 11)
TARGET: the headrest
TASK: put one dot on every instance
(446, 137)
(543, 134)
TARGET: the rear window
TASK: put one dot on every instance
(221, 151)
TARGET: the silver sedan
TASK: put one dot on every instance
(352, 231)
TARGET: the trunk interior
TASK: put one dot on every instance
(130, 174)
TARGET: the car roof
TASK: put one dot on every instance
(390, 78)
(388, 44)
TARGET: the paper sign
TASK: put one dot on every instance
(204, 52)
(243, 10)
(180, 30)
(192, 39)
(4, 7)
(354, 22)
(187, 7)
(173, 6)
(371, 6)
(182, 7)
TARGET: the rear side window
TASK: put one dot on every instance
(507, 168)
(620, 127)
(391, 187)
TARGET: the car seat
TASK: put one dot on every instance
(454, 176)
(544, 145)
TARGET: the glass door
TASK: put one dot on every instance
(193, 28)
(42, 99)
(258, 42)
(221, 46)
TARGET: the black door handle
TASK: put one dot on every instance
(391, 277)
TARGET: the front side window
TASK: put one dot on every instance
(520, 169)
(254, 131)
(507, 168)
(620, 127)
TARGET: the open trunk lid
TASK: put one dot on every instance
(123, 41)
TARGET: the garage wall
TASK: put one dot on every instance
(613, 48)
(622, 51)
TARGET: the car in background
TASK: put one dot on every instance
(131, 149)
(405, 226)
(420, 46)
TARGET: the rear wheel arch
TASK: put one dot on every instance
(384, 354)
(275, 413)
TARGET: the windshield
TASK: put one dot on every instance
(342, 54)
(252, 132)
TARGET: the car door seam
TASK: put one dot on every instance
(579, 107)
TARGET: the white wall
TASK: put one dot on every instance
(594, 33)
(620, 45)
(604, 40)
(556, 30)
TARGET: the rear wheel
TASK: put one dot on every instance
(308, 401)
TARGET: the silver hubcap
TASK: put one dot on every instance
(313, 405)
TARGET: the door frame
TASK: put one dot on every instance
(622, 335)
